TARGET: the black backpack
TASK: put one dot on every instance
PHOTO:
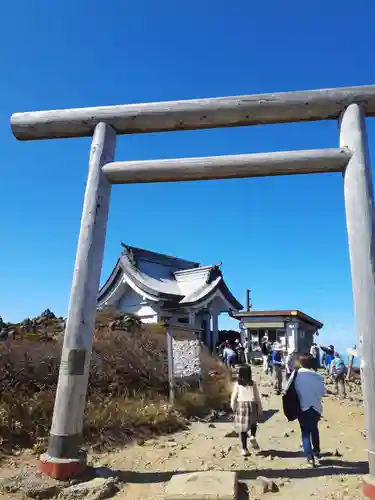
(291, 404)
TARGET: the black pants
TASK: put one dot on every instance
(244, 435)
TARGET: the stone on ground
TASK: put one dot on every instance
(265, 485)
(98, 488)
(30, 485)
(210, 485)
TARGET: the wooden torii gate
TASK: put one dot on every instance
(348, 105)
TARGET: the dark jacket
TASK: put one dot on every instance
(277, 358)
(265, 350)
(327, 350)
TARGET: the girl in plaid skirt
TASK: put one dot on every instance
(247, 406)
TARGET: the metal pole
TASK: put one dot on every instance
(247, 300)
(359, 201)
(67, 422)
(170, 366)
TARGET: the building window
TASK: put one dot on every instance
(183, 320)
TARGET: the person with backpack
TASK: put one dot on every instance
(247, 406)
(302, 401)
(338, 373)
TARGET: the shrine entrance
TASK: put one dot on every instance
(349, 106)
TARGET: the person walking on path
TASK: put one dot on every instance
(277, 363)
(240, 351)
(247, 406)
(265, 353)
(309, 386)
(229, 355)
(338, 373)
(290, 362)
(246, 347)
(315, 353)
(329, 352)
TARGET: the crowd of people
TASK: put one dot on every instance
(233, 353)
(302, 381)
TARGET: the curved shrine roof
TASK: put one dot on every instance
(167, 278)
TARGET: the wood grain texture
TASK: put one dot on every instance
(71, 390)
(171, 380)
(284, 107)
(359, 202)
(226, 167)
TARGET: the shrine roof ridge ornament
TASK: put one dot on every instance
(256, 109)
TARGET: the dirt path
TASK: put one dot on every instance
(146, 469)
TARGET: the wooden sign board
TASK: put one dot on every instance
(184, 355)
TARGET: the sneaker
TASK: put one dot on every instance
(254, 443)
(245, 453)
(310, 463)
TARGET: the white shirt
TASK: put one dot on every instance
(310, 389)
(249, 393)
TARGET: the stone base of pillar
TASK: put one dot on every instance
(368, 487)
(62, 468)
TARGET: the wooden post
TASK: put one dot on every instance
(192, 318)
(63, 458)
(350, 367)
(215, 331)
(170, 366)
(359, 201)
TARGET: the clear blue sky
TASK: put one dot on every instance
(283, 237)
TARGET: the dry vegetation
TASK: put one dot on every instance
(127, 396)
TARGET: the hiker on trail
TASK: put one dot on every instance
(277, 363)
(240, 352)
(247, 406)
(329, 352)
(324, 359)
(310, 389)
(290, 362)
(338, 372)
(229, 355)
(246, 347)
(315, 353)
(265, 353)
(270, 353)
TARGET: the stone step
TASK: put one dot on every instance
(207, 485)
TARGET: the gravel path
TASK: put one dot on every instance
(146, 469)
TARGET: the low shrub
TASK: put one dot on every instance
(127, 392)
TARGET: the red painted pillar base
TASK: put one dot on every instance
(62, 468)
(368, 487)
